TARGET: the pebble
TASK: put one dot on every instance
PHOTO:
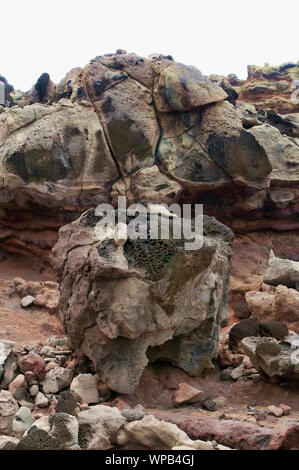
(27, 301)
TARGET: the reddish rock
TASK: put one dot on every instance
(235, 434)
(33, 363)
(187, 394)
(119, 403)
(51, 365)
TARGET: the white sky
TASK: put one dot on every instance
(217, 36)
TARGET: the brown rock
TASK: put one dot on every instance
(33, 363)
(187, 394)
(285, 408)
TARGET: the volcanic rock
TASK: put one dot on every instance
(147, 279)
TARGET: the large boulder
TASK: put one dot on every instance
(125, 304)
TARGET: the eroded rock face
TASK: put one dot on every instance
(272, 357)
(126, 304)
(144, 128)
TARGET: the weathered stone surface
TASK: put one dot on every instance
(98, 427)
(184, 88)
(145, 280)
(22, 421)
(153, 434)
(271, 357)
(8, 363)
(18, 382)
(84, 388)
(145, 128)
(281, 271)
(8, 442)
(233, 433)
(269, 87)
(57, 431)
(135, 414)
(33, 363)
(27, 301)
(41, 401)
(187, 394)
(8, 410)
(57, 379)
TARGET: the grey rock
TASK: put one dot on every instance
(135, 414)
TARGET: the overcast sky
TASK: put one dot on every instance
(216, 36)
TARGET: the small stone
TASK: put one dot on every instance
(18, 382)
(41, 401)
(247, 363)
(84, 406)
(84, 388)
(285, 408)
(23, 398)
(255, 377)
(275, 411)
(57, 379)
(187, 394)
(209, 404)
(51, 365)
(27, 301)
(237, 372)
(34, 389)
(22, 421)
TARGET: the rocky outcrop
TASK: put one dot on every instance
(148, 129)
(126, 309)
(269, 87)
